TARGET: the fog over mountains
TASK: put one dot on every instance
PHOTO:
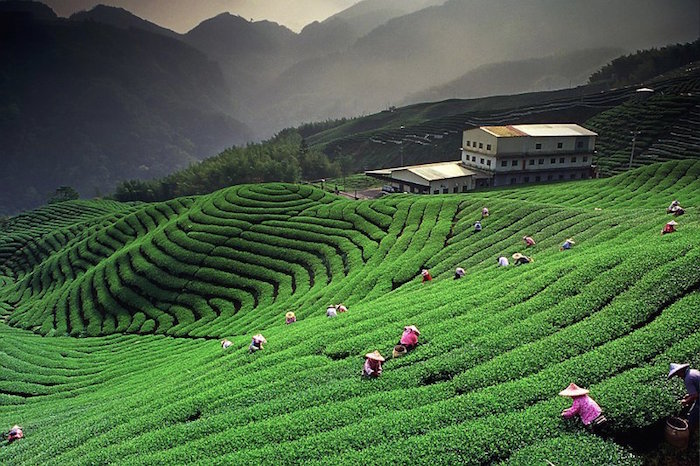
(105, 95)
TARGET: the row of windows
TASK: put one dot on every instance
(481, 145)
(538, 146)
(454, 190)
(481, 161)
(526, 179)
(553, 160)
(560, 145)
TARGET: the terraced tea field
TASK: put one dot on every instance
(111, 316)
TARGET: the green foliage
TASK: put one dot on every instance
(63, 194)
(645, 64)
(111, 316)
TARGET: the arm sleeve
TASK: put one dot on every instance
(573, 410)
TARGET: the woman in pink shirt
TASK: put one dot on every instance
(373, 364)
(15, 434)
(409, 338)
(528, 241)
(583, 406)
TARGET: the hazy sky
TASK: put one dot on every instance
(183, 15)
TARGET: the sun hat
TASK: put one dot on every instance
(259, 337)
(672, 222)
(424, 272)
(375, 355)
(289, 315)
(517, 256)
(573, 390)
(675, 368)
(571, 240)
(412, 328)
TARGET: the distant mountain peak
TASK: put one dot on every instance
(120, 18)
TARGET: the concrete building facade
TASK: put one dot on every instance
(529, 153)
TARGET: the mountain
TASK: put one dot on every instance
(86, 105)
(536, 74)
(120, 18)
(438, 44)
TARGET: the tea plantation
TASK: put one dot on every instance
(111, 316)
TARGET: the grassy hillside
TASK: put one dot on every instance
(154, 286)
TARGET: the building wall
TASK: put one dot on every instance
(544, 176)
(536, 162)
(452, 185)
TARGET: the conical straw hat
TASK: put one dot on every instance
(517, 256)
(412, 328)
(375, 355)
(289, 315)
(675, 368)
(573, 390)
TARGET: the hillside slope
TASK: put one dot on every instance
(156, 285)
(86, 105)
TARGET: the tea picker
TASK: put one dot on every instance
(331, 311)
(484, 212)
(567, 244)
(691, 379)
(226, 343)
(477, 226)
(670, 227)
(407, 342)
(290, 318)
(15, 434)
(459, 273)
(425, 273)
(528, 241)
(583, 406)
(257, 343)
(373, 364)
(520, 259)
(503, 261)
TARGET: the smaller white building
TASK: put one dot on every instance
(432, 178)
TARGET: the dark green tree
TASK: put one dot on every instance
(63, 194)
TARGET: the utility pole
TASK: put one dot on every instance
(401, 148)
(634, 134)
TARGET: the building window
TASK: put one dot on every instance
(531, 162)
(526, 179)
(585, 159)
(481, 145)
(538, 146)
(473, 158)
(573, 159)
(553, 160)
(455, 189)
(474, 144)
(488, 146)
(481, 161)
(488, 162)
(445, 191)
(549, 177)
(464, 188)
(560, 145)
(514, 163)
(504, 163)
(561, 159)
(537, 179)
(540, 162)
(437, 191)
(469, 144)
(513, 180)
(579, 144)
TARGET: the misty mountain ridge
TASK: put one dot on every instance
(97, 103)
(120, 18)
(560, 71)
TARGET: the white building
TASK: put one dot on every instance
(529, 153)
(432, 178)
(502, 155)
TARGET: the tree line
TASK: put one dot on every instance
(286, 157)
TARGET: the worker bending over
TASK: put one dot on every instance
(567, 244)
(503, 261)
(583, 405)
(459, 273)
(290, 318)
(15, 434)
(691, 379)
(257, 343)
(528, 241)
(426, 275)
(520, 259)
(373, 364)
(670, 227)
